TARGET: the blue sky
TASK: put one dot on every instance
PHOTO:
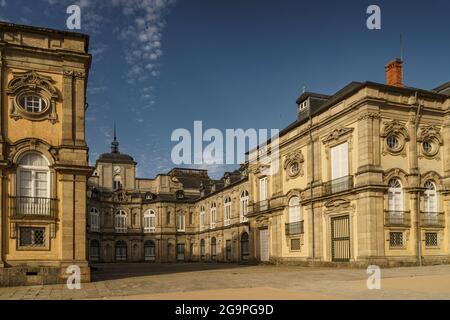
(161, 64)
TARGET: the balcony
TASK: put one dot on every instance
(294, 228)
(397, 219)
(32, 207)
(432, 219)
(338, 185)
(266, 205)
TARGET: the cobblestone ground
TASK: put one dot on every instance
(219, 281)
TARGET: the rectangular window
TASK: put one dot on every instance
(263, 189)
(32, 237)
(431, 239)
(227, 214)
(396, 239)
(295, 244)
(181, 223)
(202, 220)
(339, 161)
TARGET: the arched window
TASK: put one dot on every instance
(121, 251)
(213, 215)
(202, 218)
(213, 248)
(94, 250)
(294, 210)
(227, 209)
(245, 246)
(431, 200)
(149, 221)
(395, 196)
(202, 249)
(117, 182)
(33, 186)
(244, 206)
(121, 222)
(149, 251)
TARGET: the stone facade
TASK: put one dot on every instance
(43, 154)
(361, 178)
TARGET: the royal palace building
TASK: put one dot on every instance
(363, 177)
(43, 154)
(360, 177)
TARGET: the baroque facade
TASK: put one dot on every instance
(43, 154)
(363, 177)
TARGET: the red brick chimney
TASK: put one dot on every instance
(394, 73)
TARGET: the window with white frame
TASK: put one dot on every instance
(243, 208)
(339, 161)
(213, 215)
(33, 185)
(202, 217)
(121, 222)
(227, 209)
(95, 220)
(149, 221)
(431, 200)
(294, 210)
(181, 222)
(33, 103)
(263, 189)
(395, 196)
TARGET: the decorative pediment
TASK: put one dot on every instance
(336, 134)
(338, 205)
(394, 127)
(430, 133)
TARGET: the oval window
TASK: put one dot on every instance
(33, 103)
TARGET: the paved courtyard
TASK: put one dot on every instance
(221, 281)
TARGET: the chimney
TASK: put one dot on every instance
(394, 73)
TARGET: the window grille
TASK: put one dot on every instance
(396, 239)
(431, 239)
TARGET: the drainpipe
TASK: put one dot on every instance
(419, 240)
(311, 186)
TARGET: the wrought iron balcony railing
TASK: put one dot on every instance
(33, 207)
(397, 219)
(338, 185)
(294, 228)
(432, 219)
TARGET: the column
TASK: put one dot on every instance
(67, 113)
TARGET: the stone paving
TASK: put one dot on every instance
(223, 281)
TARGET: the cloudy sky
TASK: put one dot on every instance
(160, 65)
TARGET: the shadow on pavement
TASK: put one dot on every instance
(115, 271)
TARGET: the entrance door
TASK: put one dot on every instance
(228, 248)
(340, 239)
(264, 244)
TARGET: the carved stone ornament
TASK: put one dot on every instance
(398, 131)
(34, 84)
(430, 140)
(336, 134)
(293, 164)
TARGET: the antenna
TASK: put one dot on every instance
(401, 47)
